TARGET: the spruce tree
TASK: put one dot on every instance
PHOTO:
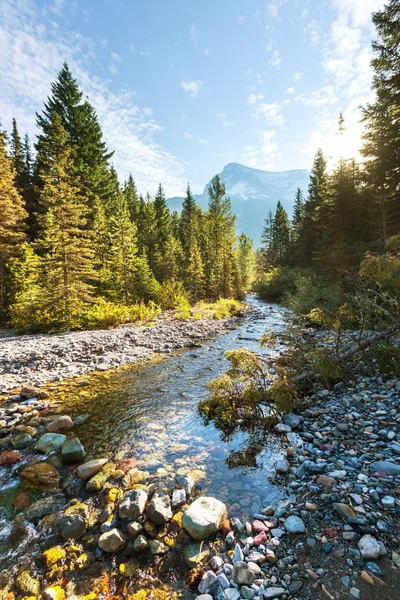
(195, 282)
(245, 261)
(123, 251)
(381, 123)
(69, 258)
(90, 157)
(267, 258)
(281, 236)
(146, 287)
(132, 199)
(220, 228)
(163, 231)
(12, 221)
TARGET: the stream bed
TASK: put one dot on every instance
(149, 412)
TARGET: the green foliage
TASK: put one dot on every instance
(182, 308)
(243, 394)
(325, 366)
(313, 291)
(388, 359)
(276, 283)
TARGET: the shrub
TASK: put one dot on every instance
(277, 283)
(312, 292)
(182, 310)
(388, 359)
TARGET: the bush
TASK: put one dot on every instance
(312, 292)
(224, 308)
(182, 310)
(276, 284)
(388, 359)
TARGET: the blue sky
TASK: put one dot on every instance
(183, 87)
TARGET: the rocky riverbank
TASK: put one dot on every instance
(41, 358)
(101, 526)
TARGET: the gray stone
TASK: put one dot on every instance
(90, 468)
(186, 482)
(273, 592)
(72, 527)
(21, 441)
(132, 504)
(195, 553)
(134, 529)
(112, 541)
(61, 423)
(49, 442)
(159, 509)
(294, 524)
(72, 451)
(369, 547)
(140, 544)
(204, 597)
(390, 468)
(206, 581)
(245, 573)
(178, 498)
(292, 420)
(238, 555)
(158, 547)
(232, 594)
(388, 501)
(282, 428)
(247, 592)
(204, 517)
(355, 592)
(282, 466)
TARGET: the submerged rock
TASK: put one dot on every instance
(72, 527)
(50, 442)
(10, 457)
(62, 423)
(204, 517)
(41, 476)
(72, 451)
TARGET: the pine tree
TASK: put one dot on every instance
(267, 258)
(12, 221)
(163, 218)
(246, 262)
(124, 251)
(298, 208)
(220, 230)
(132, 199)
(147, 231)
(68, 263)
(195, 282)
(146, 287)
(281, 236)
(27, 289)
(308, 238)
(90, 156)
(17, 156)
(189, 223)
(381, 122)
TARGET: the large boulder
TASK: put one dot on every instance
(41, 476)
(204, 517)
(159, 509)
(132, 504)
(90, 468)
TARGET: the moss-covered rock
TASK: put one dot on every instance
(26, 585)
(53, 555)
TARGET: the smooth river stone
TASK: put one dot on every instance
(204, 517)
(90, 468)
(50, 441)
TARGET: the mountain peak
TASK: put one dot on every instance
(253, 193)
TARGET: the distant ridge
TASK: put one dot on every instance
(253, 193)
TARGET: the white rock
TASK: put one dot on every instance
(369, 547)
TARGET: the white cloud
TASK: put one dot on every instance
(276, 59)
(298, 76)
(202, 141)
(325, 95)
(272, 8)
(263, 155)
(240, 18)
(304, 13)
(144, 53)
(262, 110)
(187, 135)
(268, 48)
(31, 56)
(223, 117)
(116, 57)
(132, 49)
(104, 43)
(358, 11)
(192, 87)
(207, 51)
(311, 32)
(195, 35)
(290, 90)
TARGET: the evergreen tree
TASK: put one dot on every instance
(17, 156)
(245, 261)
(281, 236)
(381, 122)
(12, 221)
(220, 231)
(124, 251)
(189, 223)
(308, 237)
(27, 289)
(298, 208)
(146, 287)
(132, 199)
(147, 231)
(90, 156)
(68, 263)
(195, 282)
(267, 258)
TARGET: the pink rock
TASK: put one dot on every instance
(259, 526)
(63, 423)
(9, 457)
(261, 538)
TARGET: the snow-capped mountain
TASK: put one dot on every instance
(253, 193)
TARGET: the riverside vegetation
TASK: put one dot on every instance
(318, 400)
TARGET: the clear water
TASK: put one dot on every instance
(150, 412)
